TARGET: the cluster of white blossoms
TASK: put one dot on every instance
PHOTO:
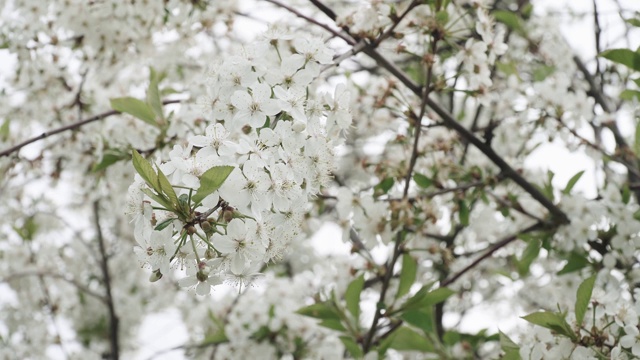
(267, 123)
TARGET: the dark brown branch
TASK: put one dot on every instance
(104, 267)
(75, 125)
(499, 245)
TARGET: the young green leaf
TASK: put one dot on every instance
(626, 57)
(406, 339)
(144, 168)
(529, 254)
(583, 297)
(509, 18)
(332, 324)
(421, 318)
(4, 130)
(572, 182)
(109, 157)
(153, 96)
(162, 200)
(211, 181)
(552, 321)
(352, 296)
(463, 213)
(352, 347)
(511, 349)
(163, 224)
(422, 181)
(424, 298)
(135, 107)
(407, 275)
(168, 190)
(575, 262)
(384, 186)
(320, 311)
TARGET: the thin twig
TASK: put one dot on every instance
(53, 274)
(75, 125)
(104, 267)
(499, 245)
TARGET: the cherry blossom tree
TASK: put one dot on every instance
(190, 155)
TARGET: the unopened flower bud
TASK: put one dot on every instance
(155, 276)
(206, 226)
(191, 230)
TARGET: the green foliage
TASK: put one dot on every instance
(510, 19)
(626, 57)
(511, 349)
(572, 182)
(136, 108)
(384, 186)
(407, 275)
(323, 310)
(352, 296)
(211, 181)
(109, 157)
(463, 212)
(583, 297)
(352, 347)
(553, 321)
(406, 339)
(575, 262)
(529, 254)
(4, 130)
(422, 181)
(425, 298)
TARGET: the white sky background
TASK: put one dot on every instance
(165, 330)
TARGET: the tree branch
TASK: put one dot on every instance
(499, 245)
(104, 267)
(75, 125)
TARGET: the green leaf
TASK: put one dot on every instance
(542, 72)
(575, 262)
(509, 68)
(509, 18)
(322, 311)
(552, 321)
(529, 254)
(211, 181)
(421, 318)
(4, 130)
(511, 349)
(352, 347)
(352, 296)
(153, 96)
(332, 324)
(630, 95)
(422, 181)
(384, 186)
(572, 182)
(135, 107)
(168, 190)
(163, 224)
(144, 168)
(463, 213)
(423, 298)
(407, 275)
(506, 343)
(583, 298)
(406, 339)
(109, 157)
(626, 57)
(162, 200)
(633, 22)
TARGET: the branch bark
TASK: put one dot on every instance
(75, 125)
